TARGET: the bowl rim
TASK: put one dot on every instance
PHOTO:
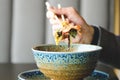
(63, 52)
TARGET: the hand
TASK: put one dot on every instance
(73, 17)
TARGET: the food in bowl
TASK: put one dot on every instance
(64, 28)
(58, 63)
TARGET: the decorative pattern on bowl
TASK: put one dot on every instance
(76, 63)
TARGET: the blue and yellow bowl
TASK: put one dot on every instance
(60, 63)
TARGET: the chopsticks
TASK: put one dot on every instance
(62, 16)
(59, 7)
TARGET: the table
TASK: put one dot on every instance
(9, 71)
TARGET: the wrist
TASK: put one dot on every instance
(87, 34)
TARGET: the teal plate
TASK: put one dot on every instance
(37, 75)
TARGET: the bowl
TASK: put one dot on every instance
(60, 63)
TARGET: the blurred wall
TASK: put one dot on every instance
(28, 28)
(23, 24)
(5, 30)
(96, 12)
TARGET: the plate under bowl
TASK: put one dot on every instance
(37, 75)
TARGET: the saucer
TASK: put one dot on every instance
(37, 75)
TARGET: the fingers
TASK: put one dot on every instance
(52, 10)
(68, 12)
(50, 14)
(58, 11)
(65, 19)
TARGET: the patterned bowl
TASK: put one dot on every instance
(61, 63)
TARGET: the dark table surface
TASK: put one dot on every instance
(10, 71)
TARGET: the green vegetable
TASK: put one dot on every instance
(73, 32)
(59, 33)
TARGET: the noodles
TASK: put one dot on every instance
(64, 28)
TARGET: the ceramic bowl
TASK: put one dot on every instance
(60, 63)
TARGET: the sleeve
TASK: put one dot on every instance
(110, 54)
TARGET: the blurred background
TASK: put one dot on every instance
(23, 24)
